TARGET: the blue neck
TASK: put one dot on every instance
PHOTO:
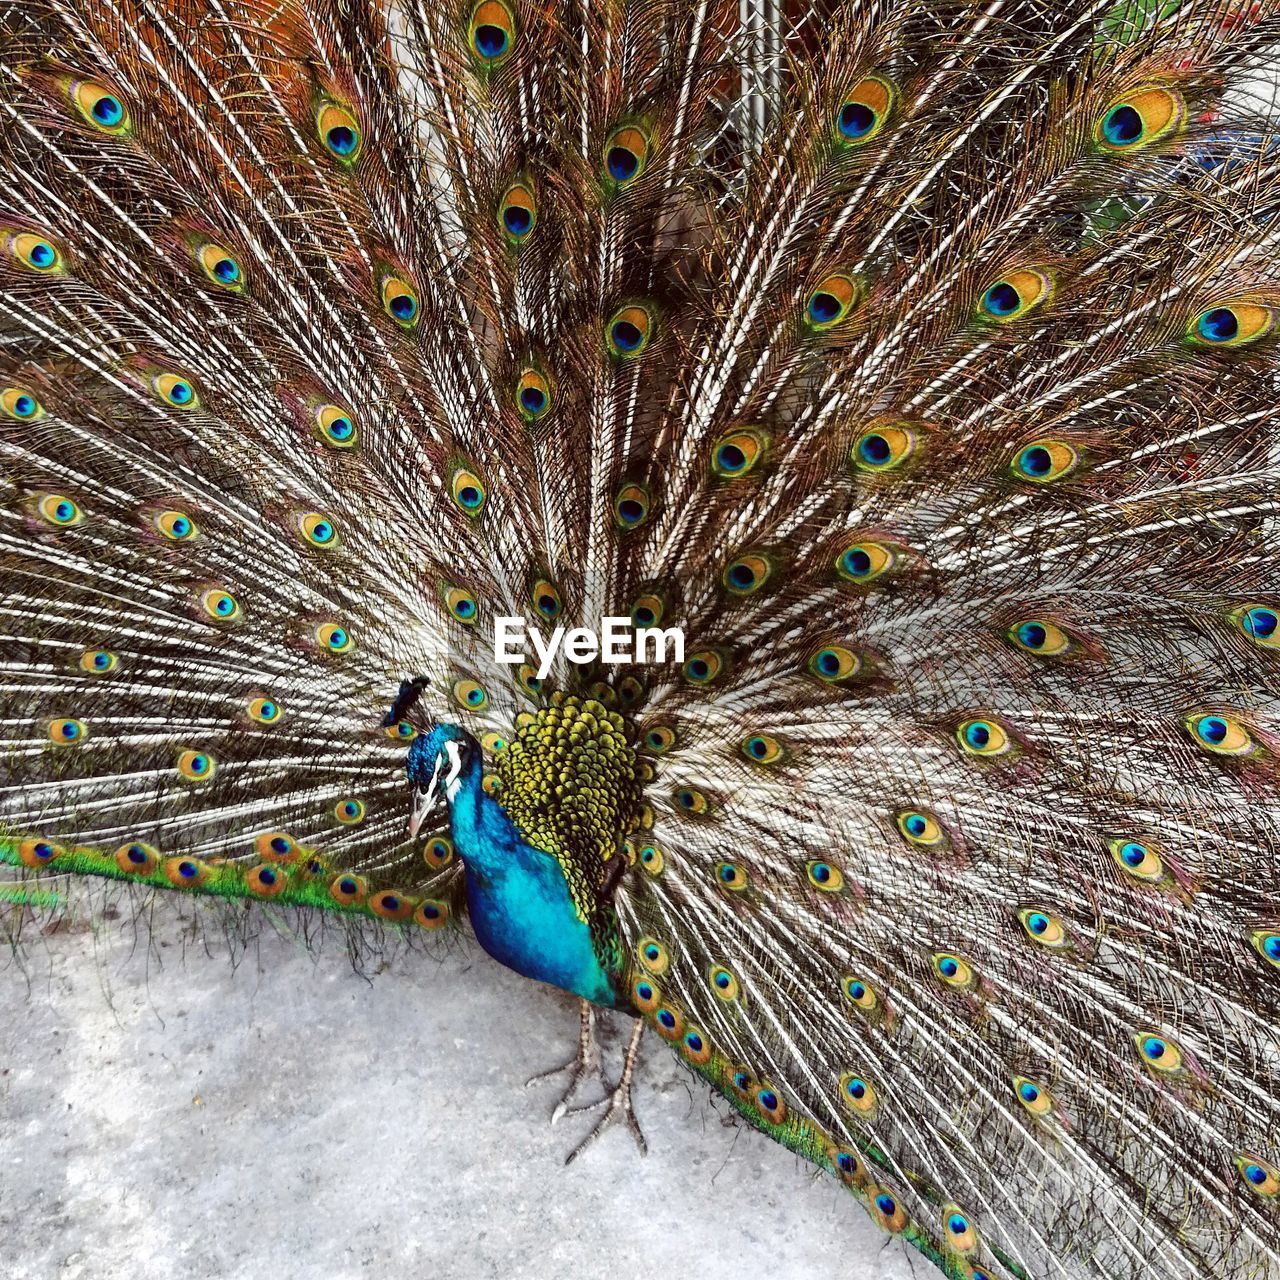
(518, 899)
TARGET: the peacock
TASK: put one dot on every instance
(899, 375)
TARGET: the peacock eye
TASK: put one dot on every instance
(1157, 1051)
(1039, 637)
(724, 984)
(746, 575)
(1260, 1177)
(865, 561)
(349, 890)
(1137, 860)
(857, 1094)
(769, 1103)
(883, 448)
(1139, 119)
(221, 267)
(68, 732)
(659, 739)
(761, 748)
(470, 694)
(886, 1209)
(983, 738)
(102, 107)
(921, 828)
(822, 875)
(468, 492)
(1233, 325)
(628, 331)
(546, 599)
(1034, 1097)
(1221, 734)
(1014, 295)
(533, 395)
(730, 876)
(859, 993)
(737, 453)
(319, 530)
(335, 427)
(830, 302)
(220, 605)
(1044, 928)
(34, 251)
(401, 731)
(833, 663)
(654, 955)
(492, 31)
(527, 678)
(691, 800)
(1260, 623)
(625, 154)
(98, 662)
(333, 637)
(175, 390)
(462, 605)
(647, 611)
(631, 506)
(652, 859)
(702, 667)
(176, 526)
(864, 112)
(437, 853)
(400, 301)
(339, 130)
(1043, 461)
(265, 710)
(196, 766)
(953, 971)
(1267, 944)
(20, 405)
(137, 859)
(59, 510)
(518, 213)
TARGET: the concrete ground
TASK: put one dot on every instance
(164, 1113)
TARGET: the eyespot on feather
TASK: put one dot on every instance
(349, 811)
(1040, 637)
(1219, 733)
(833, 663)
(628, 331)
(100, 106)
(470, 694)
(59, 510)
(1014, 295)
(20, 405)
(830, 302)
(491, 33)
(1233, 324)
(185, 873)
(34, 252)
(266, 881)
(265, 710)
(137, 859)
(468, 492)
(518, 213)
(864, 562)
(1259, 622)
(220, 605)
(1033, 1097)
(317, 529)
(626, 153)
(533, 395)
(953, 971)
(335, 427)
(348, 889)
(98, 662)
(400, 301)
(437, 853)
(921, 828)
(37, 853)
(333, 637)
(983, 737)
(1044, 461)
(1140, 118)
(1044, 928)
(221, 267)
(339, 131)
(176, 526)
(461, 604)
(431, 913)
(175, 390)
(865, 111)
(738, 453)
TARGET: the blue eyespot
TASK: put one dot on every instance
(267, 876)
(1218, 325)
(874, 449)
(227, 270)
(1037, 922)
(978, 734)
(768, 1100)
(916, 823)
(1261, 623)
(667, 1018)
(108, 110)
(342, 140)
(724, 981)
(1271, 945)
(948, 967)
(403, 306)
(1028, 1092)
(846, 1162)
(856, 1088)
(694, 1041)
(957, 1225)
(824, 307)
(886, 1204)
(1256, 1174)
(533, 399)
(623, 163)
(24, 406)
(1001, 299)
(626, 336)
(1213, 729)
(644, 991)
(856, 562)
(730, 458)
(1122, 126)
(1154, 1048)
(42, 254)
(1132, 854)
(856, 120)
(517, 220)
(188, 870)
(820, 872)
(856, 990)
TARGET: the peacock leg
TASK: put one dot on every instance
(617, 1102)
(583, 1067)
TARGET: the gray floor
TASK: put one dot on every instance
(163, 1113)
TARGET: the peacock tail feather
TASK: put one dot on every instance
(922, 371)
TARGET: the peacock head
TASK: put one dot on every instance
(437, 762)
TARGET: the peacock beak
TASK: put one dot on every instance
(424, 800)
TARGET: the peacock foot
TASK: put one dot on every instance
(584, 1067)
(616, 1103)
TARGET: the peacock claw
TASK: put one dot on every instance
(583, 1067)
(617, 1103)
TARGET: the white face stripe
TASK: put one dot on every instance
(451, 780)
